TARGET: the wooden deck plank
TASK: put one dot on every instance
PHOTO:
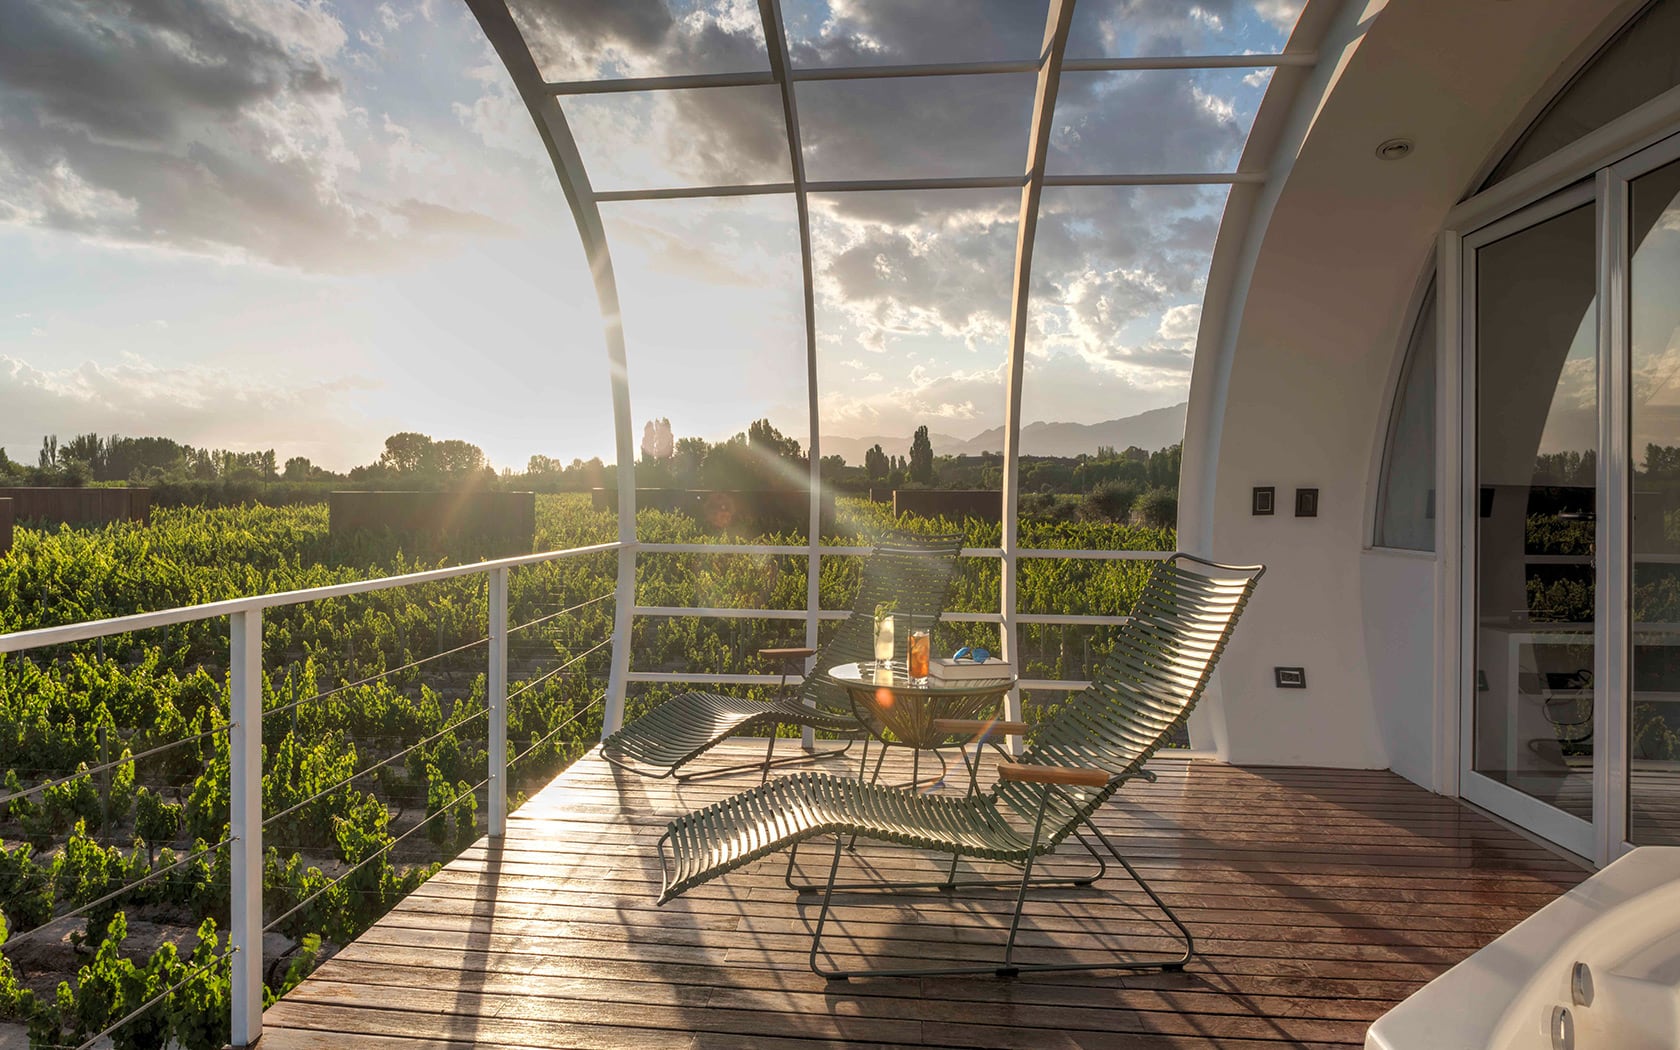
(1319, 898)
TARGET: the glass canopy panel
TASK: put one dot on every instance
(913, 32)
(921, 127)
(591, 40)
(668, 139)
(913, 329)
(1154, 121)
(1164, 28)
(1119, 273)
(714, 328)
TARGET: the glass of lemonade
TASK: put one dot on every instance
(883, 641)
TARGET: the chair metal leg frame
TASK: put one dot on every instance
(1007, 967)
(765, 764)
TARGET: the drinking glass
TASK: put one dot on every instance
(919, 648)
(883, 641)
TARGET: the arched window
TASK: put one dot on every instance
(1406, 491)
(1637, 64)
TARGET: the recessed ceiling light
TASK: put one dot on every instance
(1394, 149)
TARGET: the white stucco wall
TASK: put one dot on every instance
(1297, 390)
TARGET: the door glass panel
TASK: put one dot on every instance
(1536, 453)
(1654, 456)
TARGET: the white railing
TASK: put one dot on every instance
(1007, 618)
(245, 667)
(245, 729)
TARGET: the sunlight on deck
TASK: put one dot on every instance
(1318, 897)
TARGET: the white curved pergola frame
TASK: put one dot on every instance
(542, 99)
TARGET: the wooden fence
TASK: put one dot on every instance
(507, 518)
(93, 506)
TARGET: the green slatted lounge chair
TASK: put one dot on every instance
(1079, 756)
(915, 572)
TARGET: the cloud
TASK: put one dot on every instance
(425, 217)
(199, 405)
(207, 126)
(212, 127)
(1184, 27)
(581, 39)
(869, 33)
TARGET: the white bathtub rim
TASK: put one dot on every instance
(1491, 995)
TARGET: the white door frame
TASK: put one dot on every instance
(1566, 830)
(1611, 156)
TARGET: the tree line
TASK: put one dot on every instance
(1108, 485)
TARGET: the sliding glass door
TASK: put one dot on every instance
(1644, 191)
(1570, 701)
(1531, 313)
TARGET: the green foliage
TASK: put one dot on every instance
(1156, 509)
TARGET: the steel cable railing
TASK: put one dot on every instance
(237, 866)
(104, 767)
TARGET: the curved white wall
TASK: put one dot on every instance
(1294, 379)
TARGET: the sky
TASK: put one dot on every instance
(306, 225)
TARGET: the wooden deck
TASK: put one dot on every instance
(1319, 898)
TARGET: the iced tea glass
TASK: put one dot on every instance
(919, 648)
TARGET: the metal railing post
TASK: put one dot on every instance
(497, 689)
(1011, 627)
(624, 608)
(245, 656)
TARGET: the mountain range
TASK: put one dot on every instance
(1149, 431)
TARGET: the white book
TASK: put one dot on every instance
(945, 669)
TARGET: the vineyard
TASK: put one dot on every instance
(114, 873)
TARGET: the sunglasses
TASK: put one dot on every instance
(976, 653)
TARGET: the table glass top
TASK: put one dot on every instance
(897, 678)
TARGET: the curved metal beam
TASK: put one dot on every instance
(1324, 30)
(503, 34)
(616, 85)
(1058, 20)
(975, 182)
(781, 64)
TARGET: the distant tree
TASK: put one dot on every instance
(1163, 467)
(86, 449)
(405, 453)
(49, 452)
(140, 458)
(1109, 501)
(767, 440)
(298, 468)
(876, 464)
(832, 468)
(1662, 461)
(1566, 468)
(543, 465)
(921, 456)
(1157, 508)
(657, 443)
(269, 471)
(454, 459)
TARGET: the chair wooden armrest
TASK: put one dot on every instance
(979, 726)
(1074, 775)
(786, 654)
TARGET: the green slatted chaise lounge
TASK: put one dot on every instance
(915, 572)
(1078, 757)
